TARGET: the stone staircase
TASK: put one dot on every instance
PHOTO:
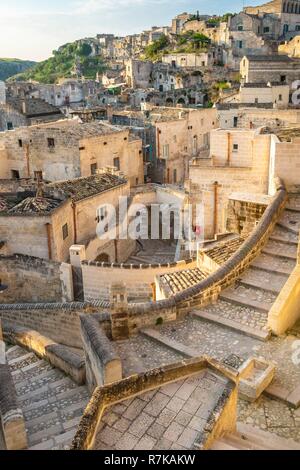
(250, 438)
(245, 306)
(51, 402)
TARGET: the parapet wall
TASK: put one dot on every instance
(32, 280)
(98, 277)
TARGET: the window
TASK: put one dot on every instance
(235, 121)
(117, 163)
(161, 88)
(280, 98)
(10, 126)
(51, 143)
(94, 168)
(235, 147)
(240, 27)
(297, 27)
(175, 176)
(166, 151)
(282, 78)
(65, 231)
(266, 29)
(256, 100)
(20, 142)
(15, 174)
(240, 44)
(101, 214)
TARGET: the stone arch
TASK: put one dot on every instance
(103, 258)
(181, 100)
(169, 102)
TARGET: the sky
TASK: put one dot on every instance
(32, 29)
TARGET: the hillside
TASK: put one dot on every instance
(72, 59)
(10, 67)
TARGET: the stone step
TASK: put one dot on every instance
(284, 254)
(14, 352)
(30, 371)
(48, 390)
(233, 296)
(13, 363)
(266, 263)
(282, 239)
(267, 439)
(284, 232)
(289, 227)
(232, 325)
(180, 348)
(263, 280)
(65, 406)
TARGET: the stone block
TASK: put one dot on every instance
(256, 375)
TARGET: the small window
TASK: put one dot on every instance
(175, 176)
(20, 142)
(282, 78)
(240, 43)
(10, 126)
(266, 29)
(15, 174)
(125, 138)
(101, 214)
(166, 151)
(240, 27)
(117, 163)
(235, 147)
(256, 100)
(280, 98)
(94, 168)
(104, 143)
(51, 143)
(81, 149)
(65, 231)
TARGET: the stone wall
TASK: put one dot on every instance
(58, 322)
(31, 280)
(103, 365)
(256, 117)
(98, 278)
(245, 211)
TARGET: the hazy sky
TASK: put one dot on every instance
(31, 29)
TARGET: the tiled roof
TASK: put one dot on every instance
(172, 283)
(224, 250)
(35, 205)
(81, 188)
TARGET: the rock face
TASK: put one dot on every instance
(10, 67)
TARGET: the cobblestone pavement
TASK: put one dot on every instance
(243, 315)
(271, 415)
(170, 417)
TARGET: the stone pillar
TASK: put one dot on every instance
(119, 312)
(77, 254)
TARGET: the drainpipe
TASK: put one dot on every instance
(48, 230)
(215, 207)
(228, 148)
(74, 222)
(27, 160)
(116, 250)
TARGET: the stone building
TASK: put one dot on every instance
(291, 47)
(277, 94)
(276, 68)
(69, 149)
(19, 112)
(238, 159)
(171, 137)
(179, 21)
(47, 222)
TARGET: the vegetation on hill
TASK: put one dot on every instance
(157, 48)
(10, 67)
(72, 59)
(192, 42)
